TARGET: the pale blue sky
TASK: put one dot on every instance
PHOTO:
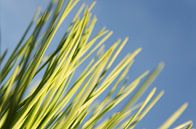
(165, 29)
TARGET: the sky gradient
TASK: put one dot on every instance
(165, 29)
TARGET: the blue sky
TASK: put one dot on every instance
(165, 29)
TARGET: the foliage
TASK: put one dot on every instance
(61, 100)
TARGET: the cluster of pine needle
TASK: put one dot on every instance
(62, 101)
